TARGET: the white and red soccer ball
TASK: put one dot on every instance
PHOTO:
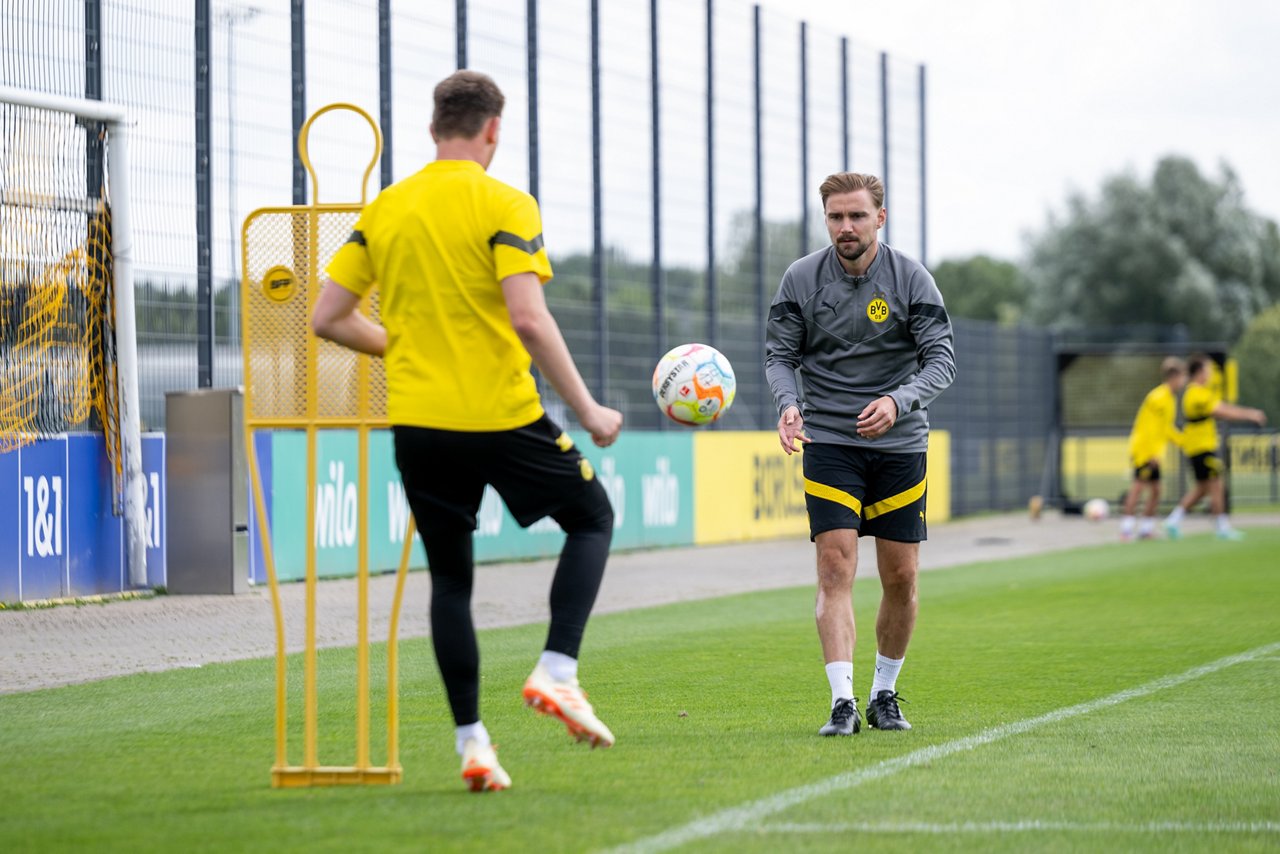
(694, 384)
(1096, 509)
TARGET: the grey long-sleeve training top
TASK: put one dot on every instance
(856, 338)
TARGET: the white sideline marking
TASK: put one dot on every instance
(1024, 826)
(749, 814)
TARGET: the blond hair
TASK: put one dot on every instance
(1171, 367)
(851, 182)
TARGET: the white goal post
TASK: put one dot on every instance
(116, 118)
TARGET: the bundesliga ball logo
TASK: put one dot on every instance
(694, 384)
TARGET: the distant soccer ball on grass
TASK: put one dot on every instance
(694, 384)
(1096, 509)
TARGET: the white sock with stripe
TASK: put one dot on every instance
(840, 677)
(886, 675)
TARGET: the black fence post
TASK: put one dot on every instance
(384, 87)
(298, 76)
(713, 293)
(460, 31)
(804, 140)
(657, 274)
(93, 91)
(531, 65)
(204, 196)
(597, 213)
(884, 134)
(761, 303)
(844, 101)
(924, 182)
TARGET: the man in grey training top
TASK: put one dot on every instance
(866, 329)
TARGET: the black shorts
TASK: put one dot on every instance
(1148, 472)
(874, 493)
(1206, 466)
(536, 469)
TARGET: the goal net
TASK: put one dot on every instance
(57, 319)
(68, 337)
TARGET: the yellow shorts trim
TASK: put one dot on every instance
(839, 496)
(894, 502)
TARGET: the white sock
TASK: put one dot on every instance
(561, 667)
(886, 674)
(1126, 525)
(1224, 523)
(840, 676)
(475, 730)
(1176, 516)
(1147, 526)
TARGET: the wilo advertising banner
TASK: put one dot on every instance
(667, 489)
(648, 476)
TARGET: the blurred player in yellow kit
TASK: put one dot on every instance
(1153, 428)
(1202, 408)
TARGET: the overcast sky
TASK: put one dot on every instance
(1029, 101)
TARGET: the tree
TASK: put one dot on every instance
(1181, 249)
(983, 288)
(1258, 354)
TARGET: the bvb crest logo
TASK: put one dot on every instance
(878, 310)
(279, 284)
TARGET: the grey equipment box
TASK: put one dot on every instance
(207, 505)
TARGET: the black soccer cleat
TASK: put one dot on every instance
(883, 712)
(845, 719)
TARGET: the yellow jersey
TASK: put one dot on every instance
(438, 245)
(1200, 433)
(1154, 426)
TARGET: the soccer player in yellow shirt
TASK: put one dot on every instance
(459, 259)
(1202, 409)
(1153, 428)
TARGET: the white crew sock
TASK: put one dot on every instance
(886, 674)
(561, 667)
(840, 676)
(475, 730)
(1147, 526)
(1176, 516)
(1126, 525)
(1224, 523)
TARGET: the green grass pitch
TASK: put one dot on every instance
(716, 705)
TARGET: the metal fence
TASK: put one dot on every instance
(675, 147)
(1001, 416)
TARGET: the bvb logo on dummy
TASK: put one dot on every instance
(279, 284)
(878, 310)
(694, 384)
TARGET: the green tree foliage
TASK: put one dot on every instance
(1259, 356)
(983, 288)
(1180, 249)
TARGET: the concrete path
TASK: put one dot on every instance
(68, 644)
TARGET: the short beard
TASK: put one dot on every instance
(859, 250)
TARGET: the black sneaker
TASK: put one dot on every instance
(883, 711)
(844, 718)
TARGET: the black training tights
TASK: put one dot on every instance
(588, 522)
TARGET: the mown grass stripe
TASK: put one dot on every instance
(748, 815)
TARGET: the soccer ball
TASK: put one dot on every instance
(694, 384)
(1096, 509)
